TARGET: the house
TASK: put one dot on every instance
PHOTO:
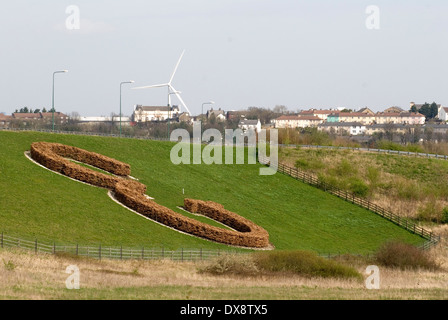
(46, 117)
(351, 128)
(5, 121)
(321, 114)
(412, 118)
(156, 113)
(443, 114)
(219, 115)
(394, 110)
(250, 125)
(366, 111)
(236, 115)
(297, 121)
(59, 117)
(362, 117)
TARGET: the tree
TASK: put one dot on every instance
(426, 110)
(44, 110)
(280, 109)
(414, 108)
(434, 110)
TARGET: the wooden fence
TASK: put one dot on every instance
(432, 239)
(107, 252)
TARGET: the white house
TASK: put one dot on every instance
(443, 113)
(250, 124)
(351, 128)
(147, 114)
(294, 121)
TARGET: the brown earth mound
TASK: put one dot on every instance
(132, 194)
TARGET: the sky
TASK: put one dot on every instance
(238, 53)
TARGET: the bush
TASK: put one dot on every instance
(404, 256)
(444, 215)
(231, 264)
(359, 188)
(304, 263)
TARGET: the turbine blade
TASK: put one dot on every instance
(180, 99)
(177, 66)
(153, 86)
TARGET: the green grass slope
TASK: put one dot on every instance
(36, 203)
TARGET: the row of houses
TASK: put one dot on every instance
(27, 118)
(357, 128)
(313, 118)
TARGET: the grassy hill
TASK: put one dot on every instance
(36, 203)
(408, 186)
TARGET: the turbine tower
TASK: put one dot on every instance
(171, 89)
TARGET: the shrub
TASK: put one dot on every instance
(304, 263)
(445, 215)
(432, 211)
(359, 188)
(404, 256)
(231, 264)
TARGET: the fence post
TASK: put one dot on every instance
(35, 246)
(77, 249)
(121, 252)
(2, 240)
(99, 252)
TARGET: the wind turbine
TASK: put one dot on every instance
(171, 89)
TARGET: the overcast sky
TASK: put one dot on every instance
(238, 53)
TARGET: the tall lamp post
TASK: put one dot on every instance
(210, 102)
(52, 100)
(202, 113)
(169, 110)
(121, 85)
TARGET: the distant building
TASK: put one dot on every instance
(350, 128)
(236, 115)
(394, 110)
(363, 117)
(5, 121)
(321, 114)
(154, 114)
(297, 121)
(220, 115)
(400, 118)
(443, 114)
(46, 117)
(125, 121)
(250, 124)
(366, 111)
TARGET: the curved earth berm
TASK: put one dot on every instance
(131, 193)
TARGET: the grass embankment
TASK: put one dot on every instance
(36, 203)
(408, 186)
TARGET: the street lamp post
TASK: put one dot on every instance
(210, 102)
(169, 110)
(202, 113)
(121, 84)
(52, 100)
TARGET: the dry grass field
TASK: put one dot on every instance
(26, 276)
